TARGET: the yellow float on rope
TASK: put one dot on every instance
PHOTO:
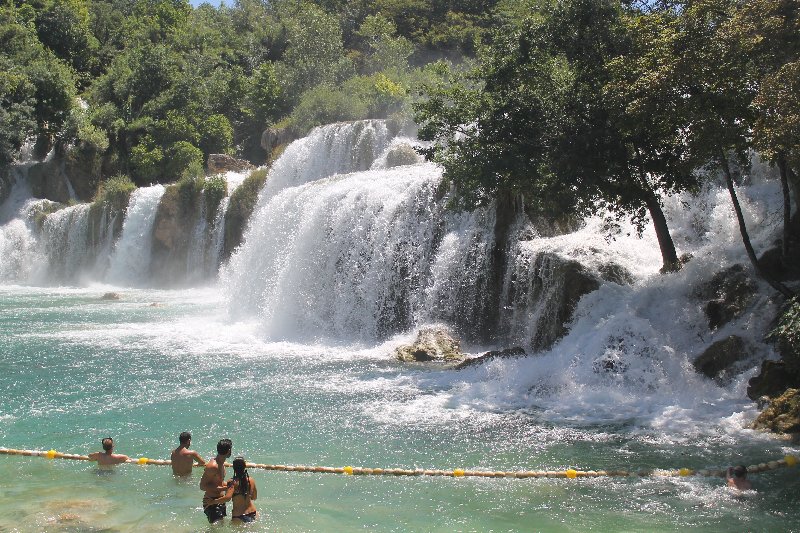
(348, 470)
(684, 472)
(791, 460)
(143, 460)
(458, 473)
(572, 474)
(51, 454)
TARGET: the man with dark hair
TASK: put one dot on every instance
(107, 457)
(183, 458)
(213, 482)
(737, 478)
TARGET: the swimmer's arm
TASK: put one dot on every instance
(223, 499)
(122, 458)
(200, 460)
(94, 456)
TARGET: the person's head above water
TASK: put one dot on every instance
(739, 472)
(224, 447)
(185, 438)
(108, 444)
(240, 475)
(239, 466)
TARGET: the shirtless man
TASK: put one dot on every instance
(737, 478)
(213, 482)
(183, 458)
(107, 457)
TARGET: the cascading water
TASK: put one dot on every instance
(130, 262)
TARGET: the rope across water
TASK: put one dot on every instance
(786, 461)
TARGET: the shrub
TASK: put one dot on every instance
(115, 192)
(183, 156)
(215, 189)
(787, 334)
(325, 104)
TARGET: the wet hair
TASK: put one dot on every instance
(185, 437)
(240, 475)
(108, 444)
(739, 471)
(224, 446)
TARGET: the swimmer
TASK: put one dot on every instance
(107, 457)
(737, 478)
(213, 482)
(183, 458)
(242, 491)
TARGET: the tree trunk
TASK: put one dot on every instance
(787, 206)
(668, 254)
(751, 254)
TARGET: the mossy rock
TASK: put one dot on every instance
(240, 208)
(782, 415)
(719, 360)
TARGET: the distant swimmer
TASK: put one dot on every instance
(107, 457)
(242, 491)
(737, 478)
(183, 458)
(213, 482)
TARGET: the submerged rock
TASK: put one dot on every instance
(729, 293)
(719, 360)
(782, 415)
(431, 344)
(111, 296)
(508, 353)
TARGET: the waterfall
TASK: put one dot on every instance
(130, 262)
(65, 236)
(363, 254)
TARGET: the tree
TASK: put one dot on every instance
(549, 114)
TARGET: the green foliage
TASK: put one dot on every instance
(115, 192)
(216, 135)
(146, 161)
(214, 190)
(183, 159)
(325, 104)
(242, 203)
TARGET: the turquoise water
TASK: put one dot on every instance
(74, 369)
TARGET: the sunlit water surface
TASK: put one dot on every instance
(75, 368)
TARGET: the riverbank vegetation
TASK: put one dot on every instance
(149, 88)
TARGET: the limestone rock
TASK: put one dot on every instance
(402, 154)
(729, 293)
(432, 343)
(782, 415)
(219, 163)
(274, 137)
(47, 180)
(719, 360)
(772, 381)
(508, 353)
(111, 296)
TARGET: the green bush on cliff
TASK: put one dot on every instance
(242, 204)
(215, 189)
(115, 192)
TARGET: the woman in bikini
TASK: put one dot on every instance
(242, 491)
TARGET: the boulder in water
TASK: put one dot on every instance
(719, 360)
(431, 344)
(508, 353)
(782, 415)
(111, 296)
(219, 163)
(729, 293)
(772, 381)
(402, 154)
